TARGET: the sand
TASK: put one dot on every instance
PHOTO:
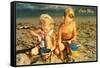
(86, 29)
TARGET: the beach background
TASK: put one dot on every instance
(27, 18)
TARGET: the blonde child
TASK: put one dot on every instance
(67, 33)
(45, 35)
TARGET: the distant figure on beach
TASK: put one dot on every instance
(45, 35)
(67, 34)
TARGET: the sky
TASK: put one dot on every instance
(33, 9)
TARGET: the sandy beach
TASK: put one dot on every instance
(86, 36)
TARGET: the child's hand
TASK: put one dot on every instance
(61, 46)
(46, 33)
(69, 42)
(39, 38)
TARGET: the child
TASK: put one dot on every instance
(45, 35)
(67, 33)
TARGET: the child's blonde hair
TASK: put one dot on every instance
(44, 17)
(70, 12)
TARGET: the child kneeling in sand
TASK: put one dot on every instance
(67, 34)
(45, 35)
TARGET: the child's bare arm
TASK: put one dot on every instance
(54, 42)
(60, 44)
(36, 33)
(59, 36)
(74, 32)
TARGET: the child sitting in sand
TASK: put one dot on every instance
(45, 35)
(67, 34)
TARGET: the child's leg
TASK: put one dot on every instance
(67, 52)
(56, 51)
(61, 56)
(61, 49)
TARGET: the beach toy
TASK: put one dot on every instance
(73, 46)
(75, 53)
(74, 49)
(42, 42)
(44, 50)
